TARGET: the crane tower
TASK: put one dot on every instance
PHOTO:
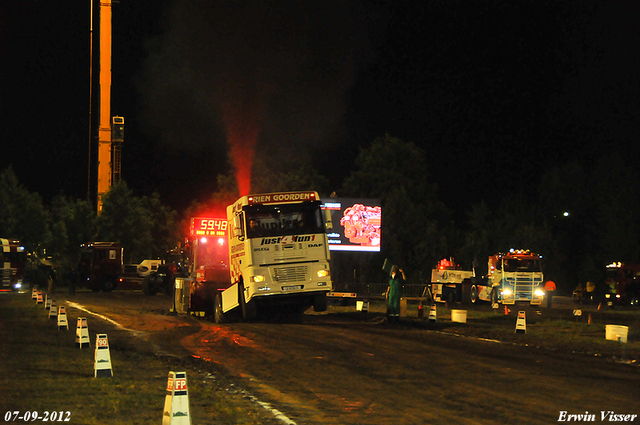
(111, 129)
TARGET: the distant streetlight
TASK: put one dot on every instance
(566, 214)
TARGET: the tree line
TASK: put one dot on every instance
(579, 218)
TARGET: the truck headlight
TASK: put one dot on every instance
(506, 292)
(539, 293)
(323, 273)
(258, 278)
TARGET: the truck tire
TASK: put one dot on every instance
(320, 302)
(249, 310)
(474, 294)
(109, 285)
(218, 313)
(149, 286)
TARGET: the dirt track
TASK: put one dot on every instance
(355, 368)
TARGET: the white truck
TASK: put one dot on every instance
(451, 284)
(515, 276)
(278, 256)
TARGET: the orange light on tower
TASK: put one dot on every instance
(104, 130)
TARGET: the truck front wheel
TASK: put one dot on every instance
(249, 310)
(320, 302)
(219, 314)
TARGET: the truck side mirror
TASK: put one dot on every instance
(237, 226)
(328, 224)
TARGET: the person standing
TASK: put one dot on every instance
(590, 293)
(393, 294)
(550, 289)
(52, 280)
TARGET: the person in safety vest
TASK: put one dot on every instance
(590, 294)
(550, 289)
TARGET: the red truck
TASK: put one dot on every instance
(101, 269)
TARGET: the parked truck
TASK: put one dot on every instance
(622, 285)
(12, 261)
(278, 256)
(450, 284)
(515, 276)
(100, 268)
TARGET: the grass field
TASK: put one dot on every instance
(42, 370)
(556, 329)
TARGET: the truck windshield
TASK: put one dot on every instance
(212, 254)
(283, 220)
(13, 257)
(522, 265)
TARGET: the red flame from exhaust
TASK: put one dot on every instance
(241, 118)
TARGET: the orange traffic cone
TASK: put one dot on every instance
(506, 310)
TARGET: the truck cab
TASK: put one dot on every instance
(279, 255)
(516, 276)
(100, 265)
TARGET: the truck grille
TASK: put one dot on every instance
(524, 285)
(6, 276)
(290, 274)
(289, 252)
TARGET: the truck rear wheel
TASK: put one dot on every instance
(474, 294)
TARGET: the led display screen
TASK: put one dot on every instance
(357, 224)
(206, 226)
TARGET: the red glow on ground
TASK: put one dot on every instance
(241, 118)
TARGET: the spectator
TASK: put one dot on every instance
(393, 294)
(590, 292)
(52, 280)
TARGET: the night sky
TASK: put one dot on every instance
(496, 92)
